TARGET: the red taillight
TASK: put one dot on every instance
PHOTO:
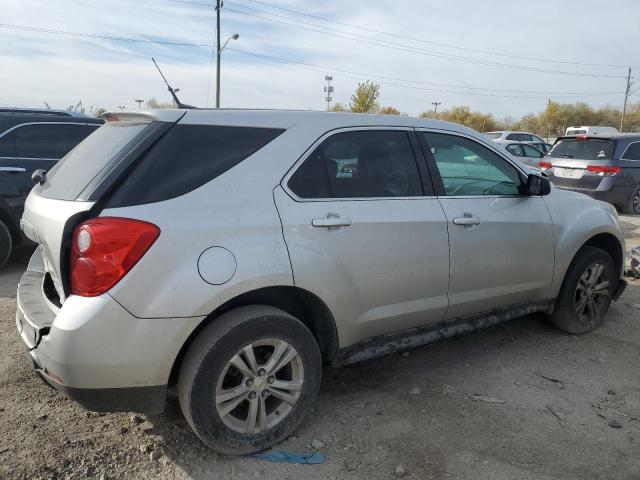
(581, 137)
(545, 165)
(104, 249)
(603, 171)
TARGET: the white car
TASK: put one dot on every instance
(514, 136)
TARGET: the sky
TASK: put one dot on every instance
(497, 56)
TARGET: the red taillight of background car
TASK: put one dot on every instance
(104, 249)
(545, 165)
(605, 171)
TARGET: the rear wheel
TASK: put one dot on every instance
(6, 243)
(249, 379)
(586, 292)
(633, 203)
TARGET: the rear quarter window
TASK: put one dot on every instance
(187, 157)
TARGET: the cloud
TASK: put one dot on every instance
(63, 69)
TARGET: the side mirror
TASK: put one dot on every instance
(538, 185)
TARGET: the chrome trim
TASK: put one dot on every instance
(15, 127)
(13, 169)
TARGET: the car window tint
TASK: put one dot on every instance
(7, 145)
(583, 149)
(46, 140)
(515, 150)
(632, 152)
(512, 136)
(359, 164)
(187, 157)
(468, 168)
(529, 151)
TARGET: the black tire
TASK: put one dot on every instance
(632, 207)
(6, 243)
(207, 360)
(565, 315)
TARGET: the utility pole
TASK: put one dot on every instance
(328, 90)
(218, 6)
(435, 108)
(139, 102)
(549, 123)
(626, 97)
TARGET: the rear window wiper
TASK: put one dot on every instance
(567, 156)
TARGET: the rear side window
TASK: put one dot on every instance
(632, 152)
(187, 157)
(515, 150)
(42, 140)
(359, 164)
(532, 152)
(494, 135)
(589, 149)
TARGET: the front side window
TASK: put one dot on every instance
(632, 152)
(359, 164)
(43, 140)
(468, 168)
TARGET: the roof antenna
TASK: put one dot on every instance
(178, 103)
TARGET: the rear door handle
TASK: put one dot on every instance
(467, 219)
(330, 221)
(12, 169)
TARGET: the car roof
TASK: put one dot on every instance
(614, 136)
(12, 117)
(41, 111)
(289, 118)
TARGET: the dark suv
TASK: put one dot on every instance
(604, 167)
(31, 140)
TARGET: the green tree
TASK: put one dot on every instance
(153, 103)
(389, 111)
(338, 107)
(365, 98)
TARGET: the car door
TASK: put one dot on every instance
(31, 146)
(365, 232)
(501, 242)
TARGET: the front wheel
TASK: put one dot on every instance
(586, 292)
(249, 379)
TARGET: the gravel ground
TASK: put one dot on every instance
(519, 400)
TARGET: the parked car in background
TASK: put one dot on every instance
(514, 136)
(224, 252)
(31, 139)
(525, 152)
(592, 131)
(544, 147)
(604, 167)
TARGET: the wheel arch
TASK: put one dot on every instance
(610, 244)
(302, 304)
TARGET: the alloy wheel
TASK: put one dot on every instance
(592, 294)
(259, 386)
(636, 201)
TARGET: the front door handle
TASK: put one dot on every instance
(330, 221)
(467, 219)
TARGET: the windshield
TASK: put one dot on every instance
(493, 135)
(75, 171)
(590, 149)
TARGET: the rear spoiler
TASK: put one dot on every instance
(161, 115)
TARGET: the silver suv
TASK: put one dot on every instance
(233, 253)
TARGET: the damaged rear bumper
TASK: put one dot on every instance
(97, 353)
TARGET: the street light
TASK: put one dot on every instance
(235, 36)
(139, 102)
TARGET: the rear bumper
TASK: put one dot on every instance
(96, 352)
(609, 190)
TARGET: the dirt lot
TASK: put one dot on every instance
(554, 406)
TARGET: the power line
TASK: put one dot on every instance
(345, 73)
(363, 76)
(100, 36)
(306, 26)
(447, 45)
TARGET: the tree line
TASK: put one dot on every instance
(552, 121)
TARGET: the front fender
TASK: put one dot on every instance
(576, 219)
